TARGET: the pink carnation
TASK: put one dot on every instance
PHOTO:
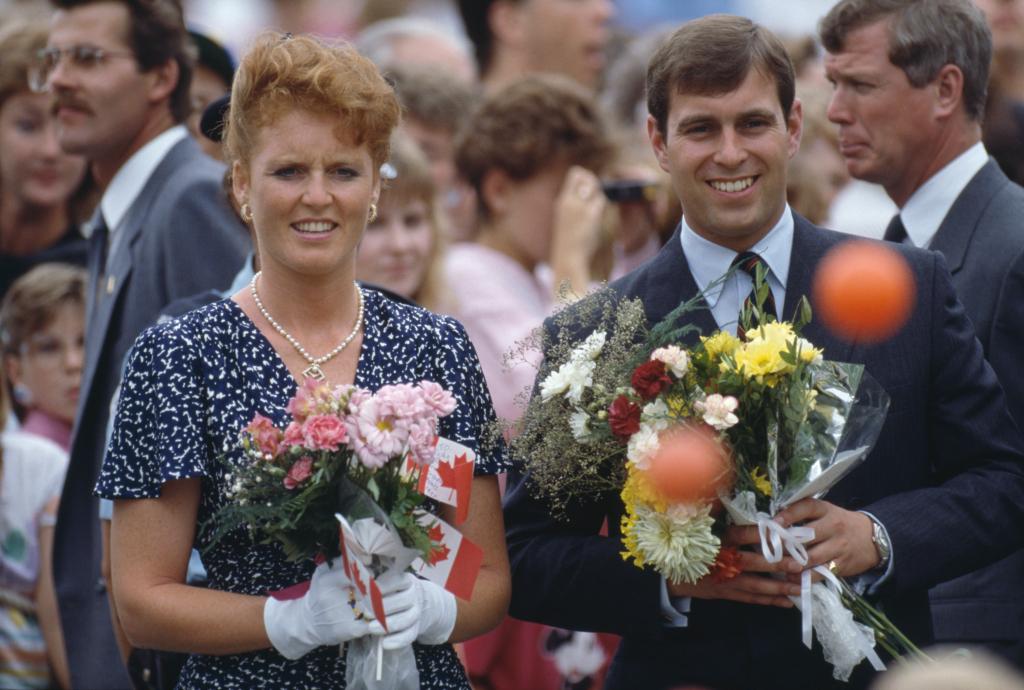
(376, 437)
(293, 434)
(400, 400)
(264, 434)
(437, 398)
(299, 472)
(422, 441)
(323, 432)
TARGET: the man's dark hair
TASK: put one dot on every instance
(156, 34)
(924, 37)
(711, 56)
(477, 23)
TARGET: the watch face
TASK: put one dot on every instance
(881, 542)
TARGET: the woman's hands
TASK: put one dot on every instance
(323, 616)
(417, 611)
(576, 233)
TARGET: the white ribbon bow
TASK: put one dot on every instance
(776, 541)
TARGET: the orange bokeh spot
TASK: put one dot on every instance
(864, 291)
(691, 465)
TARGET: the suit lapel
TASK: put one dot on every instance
(670, 283)
(120, 264)
(810, 244)
(954, 234)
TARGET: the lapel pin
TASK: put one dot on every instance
(111, 281)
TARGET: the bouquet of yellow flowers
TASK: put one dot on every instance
(758, 422)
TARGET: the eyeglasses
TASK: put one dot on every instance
(81, 57)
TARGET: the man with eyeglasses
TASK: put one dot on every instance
(119, 74)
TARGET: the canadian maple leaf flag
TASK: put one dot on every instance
(449, 478)
(454, 563)
(366, 589)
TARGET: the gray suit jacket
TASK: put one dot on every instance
(982, 239)
(179, 237)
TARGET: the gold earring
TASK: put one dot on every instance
(246, 212)
(373, 213)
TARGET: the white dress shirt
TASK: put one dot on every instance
(927, 207)
(130, 179)
(709, 261)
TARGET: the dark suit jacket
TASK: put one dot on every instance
(982, 238)
(180, 237)
(946, 478)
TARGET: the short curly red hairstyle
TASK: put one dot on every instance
(283, 73)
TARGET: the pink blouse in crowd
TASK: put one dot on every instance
(50, 428)
(500, 303)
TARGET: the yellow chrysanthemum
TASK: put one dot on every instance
(638, 490)
(759, 359)
(779, 332)
(809, 353)
(721, 343)
(761, 482)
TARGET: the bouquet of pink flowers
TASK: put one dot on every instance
(338, 439)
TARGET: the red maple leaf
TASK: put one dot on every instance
(440, 551)
(435, 533)
(447, 474)
(438, 554)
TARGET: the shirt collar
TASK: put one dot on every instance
(133, 175)
(923, 213)
(709, 261)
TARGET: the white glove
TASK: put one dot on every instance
(417, 610)
(323, 616)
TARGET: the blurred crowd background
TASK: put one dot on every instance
(478, 219)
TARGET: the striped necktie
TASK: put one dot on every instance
(748, 263)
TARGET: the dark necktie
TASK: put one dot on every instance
(748, 263)
(97, 255)
(895, 231)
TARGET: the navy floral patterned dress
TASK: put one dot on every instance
(193, 383)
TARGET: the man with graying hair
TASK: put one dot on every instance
(910, 81)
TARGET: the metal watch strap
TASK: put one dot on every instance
(881, 542)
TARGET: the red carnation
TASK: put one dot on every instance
(726, 566)
(624, 417)
(650, 378)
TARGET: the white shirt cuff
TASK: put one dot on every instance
(870, 581)
(674, 609)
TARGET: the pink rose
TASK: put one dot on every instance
(293, 435)
(437, 398)
(299, 472)
(264, 434)
(323, 432)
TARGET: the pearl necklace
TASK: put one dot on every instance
(313, 371)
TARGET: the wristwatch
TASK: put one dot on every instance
(881, 540)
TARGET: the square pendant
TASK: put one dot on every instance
(313, 371)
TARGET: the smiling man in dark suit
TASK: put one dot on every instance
(910, 84)
(119, 74)
(941, 494)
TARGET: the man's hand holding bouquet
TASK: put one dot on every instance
(719, 452)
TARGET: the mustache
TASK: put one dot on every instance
(66, 100)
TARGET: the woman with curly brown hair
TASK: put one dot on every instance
(308, 130)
